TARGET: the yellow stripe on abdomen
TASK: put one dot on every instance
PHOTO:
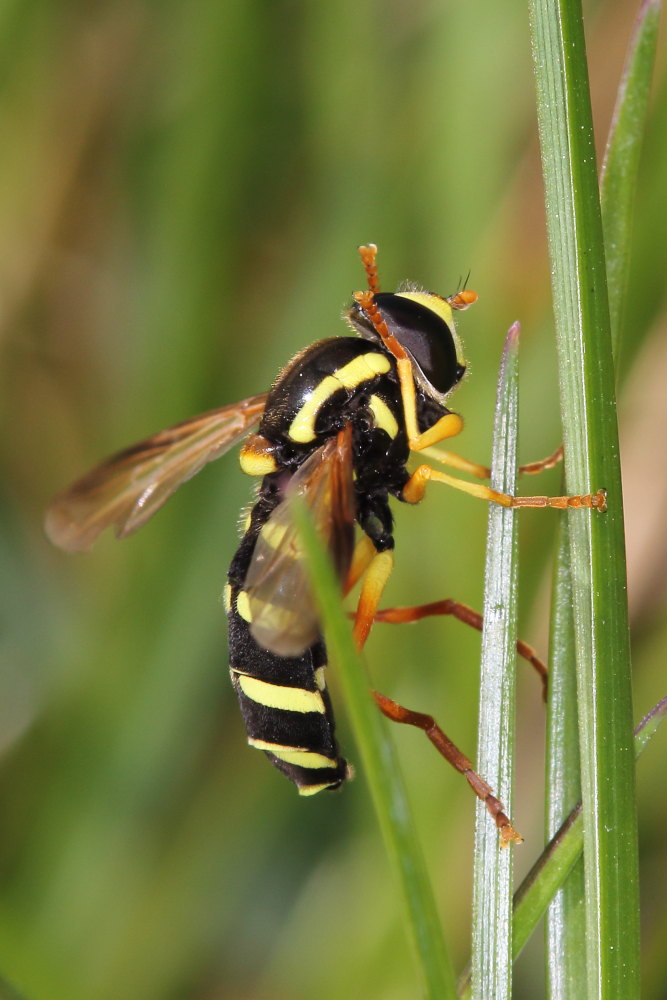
(294, 755)
(243, 606)
(289, 699)
(314, 789)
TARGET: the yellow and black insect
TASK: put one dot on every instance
(338, 428)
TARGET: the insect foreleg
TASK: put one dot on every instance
(447, 426)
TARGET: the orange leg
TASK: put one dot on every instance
(483, 471)
(550, 462)
(415, 488)
(468, 616)
(458, 760)
(375, 580)
(362, 557)
(378, 570)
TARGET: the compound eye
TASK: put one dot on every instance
(418, 321)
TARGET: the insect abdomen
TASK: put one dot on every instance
(285, 705)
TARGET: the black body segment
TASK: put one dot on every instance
(284, 702)
(342, 385)
(286, 708)
(335, 431)
(316, 392)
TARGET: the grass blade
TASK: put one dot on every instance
(565, 926)
(565, 922)
(382, 772)
(563, 852)
(555, 864)
(492, 879)
(591, 460)
(621, 161)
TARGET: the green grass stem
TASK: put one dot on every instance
(554, 867)
(492, 878)
(591, 461)
(381, 770)
(620, 167)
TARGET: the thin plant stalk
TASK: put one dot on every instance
(492, 877)
(591, 461)
(556, 863)
(381, 770)
(565, 928)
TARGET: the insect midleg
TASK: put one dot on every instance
(465, 614)
(458, 462)
(415, 488)
(458, 760)
(550, 462)
(482, 471)
(448, 426)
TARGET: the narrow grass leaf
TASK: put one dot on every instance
(620, 167)
(382, 772)
(492, 879)
(565, 920)
(565, 923)
(555, 864)
(591, 461)
(8, 992)
(562, 853)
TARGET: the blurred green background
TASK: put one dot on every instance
(182, 190)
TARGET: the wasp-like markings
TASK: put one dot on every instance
(337, 428)
(344, 392)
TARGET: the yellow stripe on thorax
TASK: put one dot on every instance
(384, 418)
(290, 699)
(361, 369)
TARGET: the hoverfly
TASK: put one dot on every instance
(337, 428)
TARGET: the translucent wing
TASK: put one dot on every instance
(128, 488)
(283, 614)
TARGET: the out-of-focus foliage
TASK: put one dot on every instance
(182, 188)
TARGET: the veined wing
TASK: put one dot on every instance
(283, 615)
(128, 488)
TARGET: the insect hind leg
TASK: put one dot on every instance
(398, 713)
(465, 614)
(374, 581)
